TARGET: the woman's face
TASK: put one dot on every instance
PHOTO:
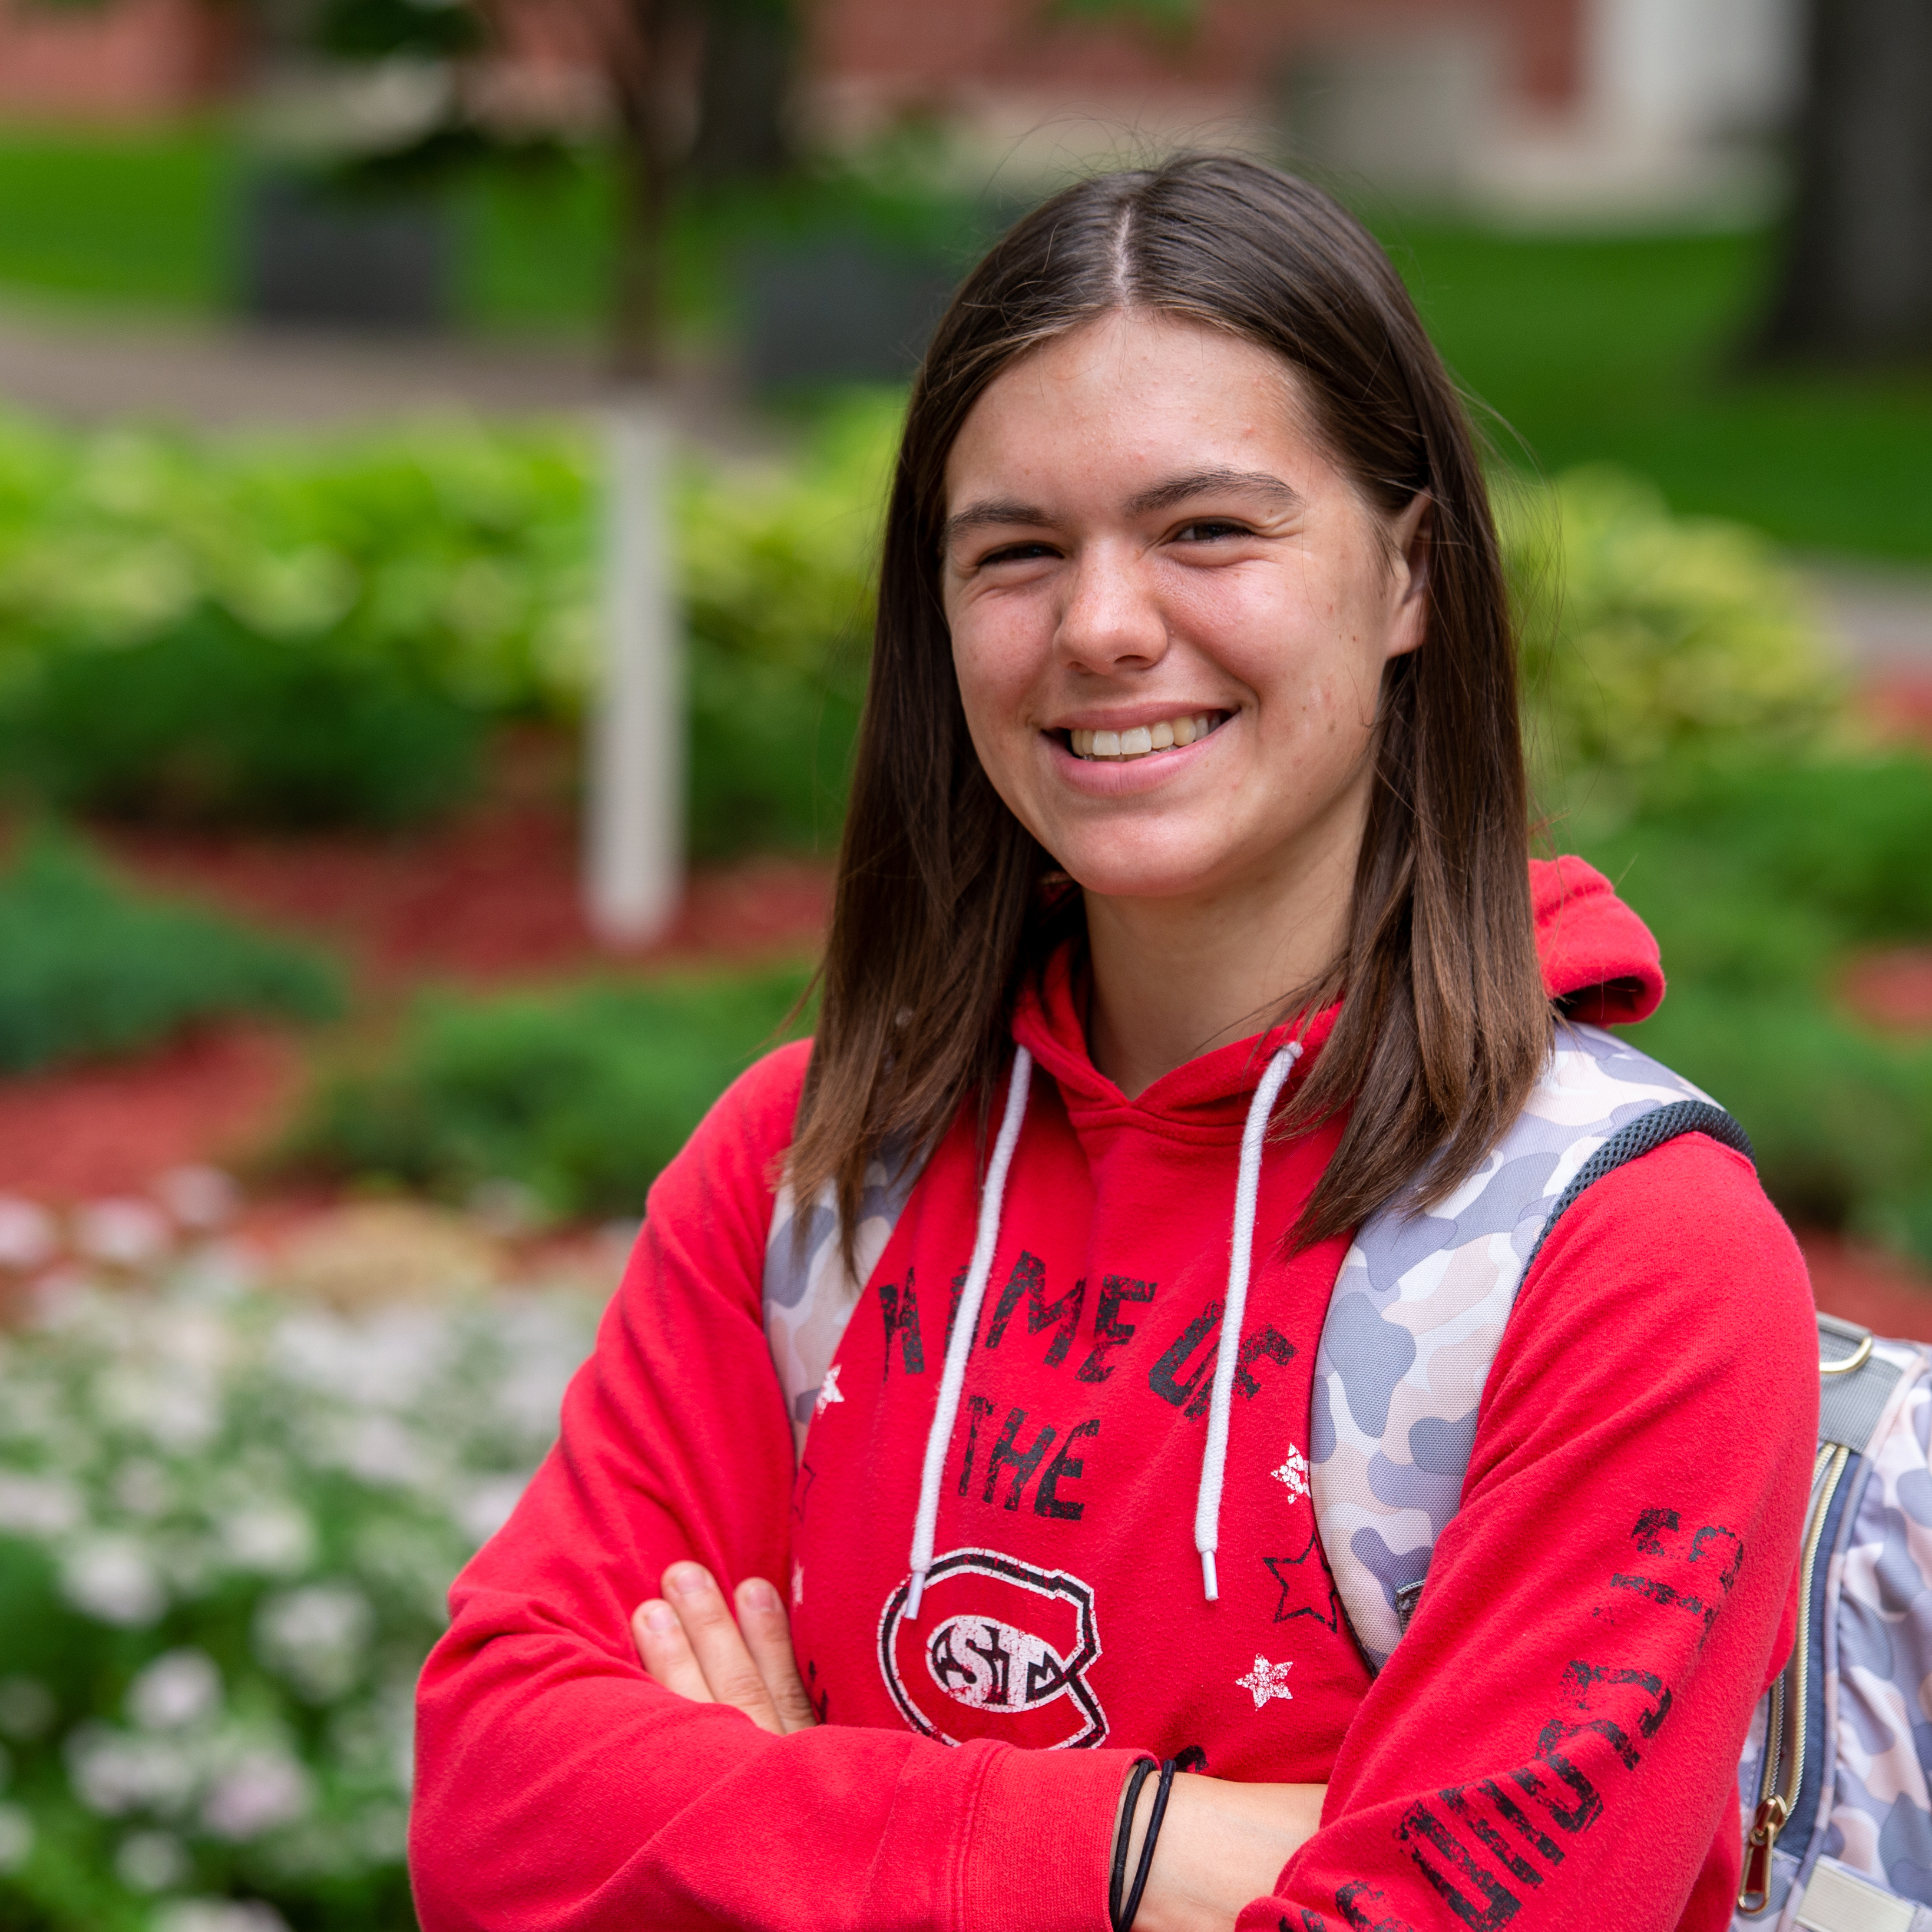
(1170, 612)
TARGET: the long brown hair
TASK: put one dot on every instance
(942, 907)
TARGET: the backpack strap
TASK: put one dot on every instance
(1420, 1305)
(809, 1294)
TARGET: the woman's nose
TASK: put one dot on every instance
(1111, 619)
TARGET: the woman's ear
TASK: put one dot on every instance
(1410, 539)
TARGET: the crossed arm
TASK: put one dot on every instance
(1221, 1844)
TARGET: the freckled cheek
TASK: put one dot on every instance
(996, 690)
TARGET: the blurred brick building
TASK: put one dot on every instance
(1429, 94)
(130, 58)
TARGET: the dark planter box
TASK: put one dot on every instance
(318, 256)
(839, 309)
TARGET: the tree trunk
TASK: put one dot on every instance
(744, 91)
(654, 47)
(1857, 277)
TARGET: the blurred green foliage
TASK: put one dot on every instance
(310, 631)
(578, 1097)
(1602, 347)
(1648, 639)
(1629, 349)
(1758, 882)
(456, 553)
(89, 967)
(778, 571)
(206, 722)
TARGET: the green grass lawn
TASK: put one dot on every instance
(1603, 347)
(136, 219)
(1632, 349)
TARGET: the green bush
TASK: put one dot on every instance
(89, 966)
(778, 573)
(228, 1519)
(1758, 882)
(208, 723)
(1648, 638)
(316, 630)
(578, 1097)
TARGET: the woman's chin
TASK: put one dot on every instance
(1167, 876)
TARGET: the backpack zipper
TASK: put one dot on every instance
(1778, 1797)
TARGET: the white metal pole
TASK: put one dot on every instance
(634, 825)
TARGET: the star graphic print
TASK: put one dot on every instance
(1293, 1472)
(1267, 1680)
(828, 1392)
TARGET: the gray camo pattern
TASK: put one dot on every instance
(1418, 1314)
(809, 1294)
(1877, 1733)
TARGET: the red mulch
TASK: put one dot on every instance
(490, 900)
(1899, 704)
(1893, 989)
(493, 898)
(1867, 1286)
(87, 1132)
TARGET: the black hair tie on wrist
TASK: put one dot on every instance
(1123, 1919)
(1122, 1833)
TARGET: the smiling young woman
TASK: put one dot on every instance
(1161, 1234)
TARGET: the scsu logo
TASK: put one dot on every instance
(1000, 1650)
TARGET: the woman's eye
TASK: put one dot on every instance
(1208, 530)
(1022, 553)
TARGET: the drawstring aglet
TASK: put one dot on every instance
(1208, 1582)
(917, 1591)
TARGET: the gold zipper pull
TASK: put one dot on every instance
(1754, 1893)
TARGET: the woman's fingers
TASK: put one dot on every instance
(730, 1675)
(665, 1652)
(690, 1641)
(761, 1616)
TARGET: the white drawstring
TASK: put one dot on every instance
(1214, 1456)
(959, 1343)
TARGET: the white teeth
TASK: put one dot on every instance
(1139, 740)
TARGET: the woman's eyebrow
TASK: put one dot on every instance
(992, 510)
(1246, 482)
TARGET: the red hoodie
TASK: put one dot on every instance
(1658, 1377)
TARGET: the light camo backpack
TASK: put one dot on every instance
(1833, 1782)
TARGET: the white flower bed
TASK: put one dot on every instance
(227, 1521)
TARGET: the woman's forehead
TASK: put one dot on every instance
(1125, 404)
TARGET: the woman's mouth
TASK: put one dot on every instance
(1141, 740)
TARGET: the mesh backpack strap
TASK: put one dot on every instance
(1420, 1303)
(1631, 1142)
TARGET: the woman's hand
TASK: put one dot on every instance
(689, 1640)
(1221, 1845)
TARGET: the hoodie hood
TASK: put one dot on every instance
(1599, 962)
